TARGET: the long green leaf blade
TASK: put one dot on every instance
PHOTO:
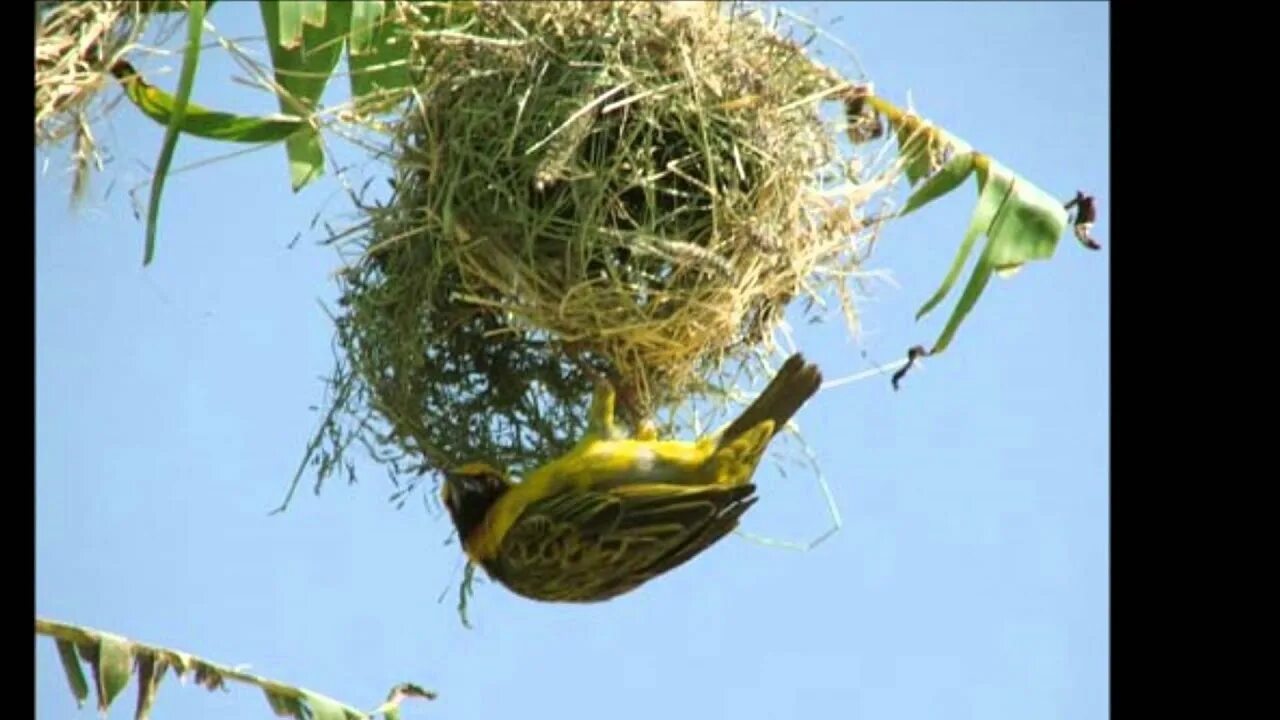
(304, 56)
(972, 291)
(1028, 227)
(366, 17)
(914, 147)
(151, 668)
(75, 675)
(306, 158)
(283, 704)
(322, 708)
(289, 18)
(991, 194)
(200, 121)
(941, 183)
(378, 52)
(921, 143)
(111, 657)
(114, 666)
(313, 12)
(190, 58)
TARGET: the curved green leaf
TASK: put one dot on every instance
(150, 671)
(378, 51)
(190, 57)
(208, 675)
(366, 19)
(322, 708)
(991, 194)
(915, 146)
(314, 12)
(114, 666)
(75, 675)
(284, 704)
(289, 16)
(1028, 226)
(941, 183)
(199, 120)
(111, 659)
(972, 291)
(306, 40)
(391, 708)
(920, 143)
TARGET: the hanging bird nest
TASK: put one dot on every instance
(628, 189)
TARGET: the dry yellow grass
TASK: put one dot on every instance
(76, 45)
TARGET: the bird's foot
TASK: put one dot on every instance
(647, 431)
(600, 416)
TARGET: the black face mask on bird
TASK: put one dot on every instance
(468, 492)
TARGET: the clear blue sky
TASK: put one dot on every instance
(970, 579)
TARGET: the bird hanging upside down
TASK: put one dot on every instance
(615, 512)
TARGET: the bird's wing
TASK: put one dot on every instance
(591, 545)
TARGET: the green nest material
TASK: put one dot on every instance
(629, 189)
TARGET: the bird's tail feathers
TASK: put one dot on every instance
(793, 385)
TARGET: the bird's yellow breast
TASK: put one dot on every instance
(594, 464)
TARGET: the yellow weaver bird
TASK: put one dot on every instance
(615, 512)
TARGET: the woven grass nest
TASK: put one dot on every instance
(635, 190)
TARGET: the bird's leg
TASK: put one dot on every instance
(648, 430)
(600, 417)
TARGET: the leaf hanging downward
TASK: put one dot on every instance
(990, 196)
(306, 40)
(113, 667)
(190, 58)
(940, 183)
(75, 675)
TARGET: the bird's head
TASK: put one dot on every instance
(469, 491)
